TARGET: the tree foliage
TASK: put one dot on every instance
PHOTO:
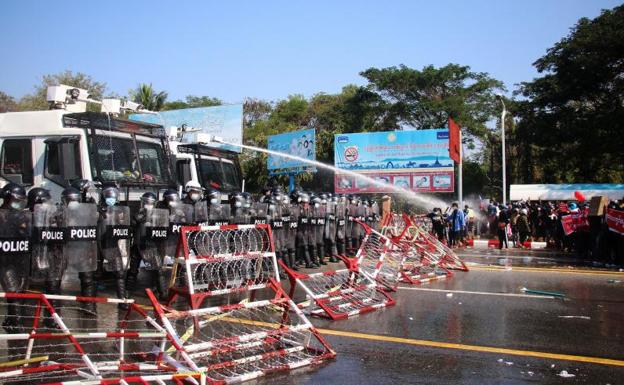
(193, 102)
(145, 95)
(7, 103)
(37, 99)
(572, 121)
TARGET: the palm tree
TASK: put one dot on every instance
(145, 95)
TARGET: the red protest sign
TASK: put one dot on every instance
(575, 222)
(615, 220)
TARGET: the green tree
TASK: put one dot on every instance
(37, 99)
(145, 95)
(193, 102)
(426, 98)
(572, 120)
(7, 103)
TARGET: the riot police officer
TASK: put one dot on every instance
(80, 244)
(318, 221)
(193, 196)
(114, 238)
(180, 214)
(47, 259)
(218, 213)
(15, 233)
(238, 210)
(306, 242)
(329, 232)
(290, 216)
(150, 236)
(341, 225)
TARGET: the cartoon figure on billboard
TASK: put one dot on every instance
(442, 181)
(402, 181)
(422, 181)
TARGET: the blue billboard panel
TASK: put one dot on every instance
(416, 160)
(298, 143)
(223, 121)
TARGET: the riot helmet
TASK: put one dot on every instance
(171, 198)
(13, 196)
(87, 189)
(248, 200)
(38, 195)
(148, 200)
(316, 200)
(193, 191)
(303, 197)
(236, 200)
(70, 196)
(214, 196)
(110, 195)
(323, 197)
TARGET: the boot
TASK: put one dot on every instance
(313, 256)
(133, 271)
(159, 279)
(120, 283)
(333, 252)
(340, 246)
(291, 257)
(304, 256)
(320, 252)
(52, 286)
(88, 288)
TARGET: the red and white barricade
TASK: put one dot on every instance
(380, 259)
(244, 340)
(494, 244)
(78, 348)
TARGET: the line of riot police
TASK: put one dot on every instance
(91, 232)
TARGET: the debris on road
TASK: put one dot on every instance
(575, 316)
(565, 374)
(540, 292)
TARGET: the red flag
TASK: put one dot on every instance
(454, 144)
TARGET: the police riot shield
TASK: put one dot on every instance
(291, 223)
(180, 215)
(240, 216)
(376, 216)
(80, 246)
(309, 217)
(47, 248)
(277, 225)
(330, 227)
(320, 213)
(341, 221)
(260, 213)
(115, 238)
(200, 213)
(361, 216)
(352, 215)
(15, 248)
(219, 214)
(153, 233)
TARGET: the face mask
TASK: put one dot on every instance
(238, 204)
(194, 197)
(73, 204)
(148, 206)
(214, 201)
(317, 205)
(110, 201)
(18, 205)
(173, 204)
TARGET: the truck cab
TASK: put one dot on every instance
(212, 168)
(52, 148)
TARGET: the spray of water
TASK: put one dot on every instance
(418, 199)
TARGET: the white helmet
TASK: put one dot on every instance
(524, 211)
(191, 185)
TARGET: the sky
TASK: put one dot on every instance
(271, 49)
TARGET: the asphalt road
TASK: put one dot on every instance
(480, 327)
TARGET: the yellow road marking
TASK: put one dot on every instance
(547, 270)
(475, 348)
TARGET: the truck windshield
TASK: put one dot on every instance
(118, 160)
(219, 174)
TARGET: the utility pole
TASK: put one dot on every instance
(504, 166)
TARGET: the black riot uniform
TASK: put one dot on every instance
(15, 249)
(114, 238)
(80, 220)
(319, 220)
(151, 228)
(180, 214)
(218, 213)
(341, 225)
(306, 242)
(329, 232)
(289, 221)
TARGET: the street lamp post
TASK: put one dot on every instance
(500, 97)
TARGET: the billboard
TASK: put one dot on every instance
(416, 160)
(224, 121)
(298, 143)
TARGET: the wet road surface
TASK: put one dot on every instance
(479, 327)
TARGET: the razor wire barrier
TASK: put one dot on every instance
(77, 348)
(238, 341)
(218, 260)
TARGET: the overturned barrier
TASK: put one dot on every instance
(80, 348)
(240, 341)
